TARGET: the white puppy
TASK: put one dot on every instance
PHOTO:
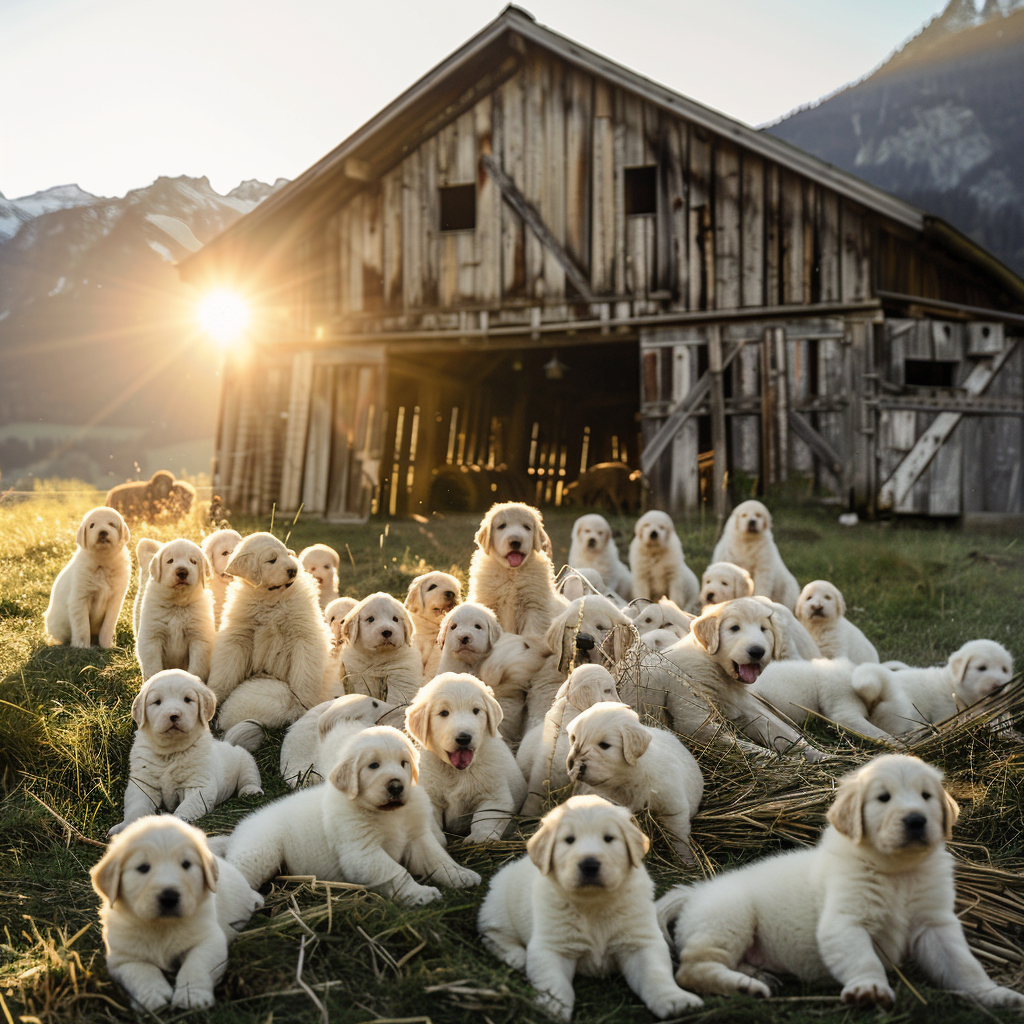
(473, 780)
(593, 547)
(168, 905)
(377, 654)
(877, 889)
(542, 753)
(657, 564)
(175, 761)
(582, 901)
(321, 561)
(822, 686)
(747, 541)
(218, 547)
(88, 592)
(176, 619)
(370, 824)
(822, 610)
(144, 552)
(510, 572)
(270, 653)
(902, 700)
(431, 596)
(612, 754)
(664, 615)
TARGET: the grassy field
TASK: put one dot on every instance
(65, 731)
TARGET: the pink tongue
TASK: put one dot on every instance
(460, 758)
(749, 673)
(515, 558)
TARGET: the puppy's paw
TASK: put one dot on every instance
(685, 853)
(119, 827)
(192, 997)
(80, 643)
(484, 834)
(754, 987)
(463, 878)
(869, 993)
(812, 754)
(250, 791)
(999, 996)
(672, 1002)
(417, 895)
(554, 1007)
(153, 995)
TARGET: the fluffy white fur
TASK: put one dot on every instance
(168, 906)
(370, 824)
(902, 700)
(572, 583)
(663, 614)
(612, 754)
(144, 551)
(175, 761)
(430, 598)
(377, 654)
(321, 561)
(657, 564)
(593, 547)
(747, 541)
(470, 774)
(877, 889)
(218, 547)
(270, 653)
(542, 753)
(822, 610)
(581, 901)
(88, 592)
(176, 619)
(510, 572)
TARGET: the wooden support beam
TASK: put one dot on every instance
(718, 424)
(527, 212)
(895, 490)
(803, 429)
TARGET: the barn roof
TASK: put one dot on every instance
(475, 69)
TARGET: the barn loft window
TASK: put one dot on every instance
(641, 190)
(929, 373)
(458, 207)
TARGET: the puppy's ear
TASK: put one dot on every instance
(417, 721)
(705, 629)
(403, 618)
(205, 570)
(573, 588)
(80, 535)
(958, 662)
(106, 874)
(744, 582)
(122, 528)
(207, 704)
(211, 869)
(778, 631)
(801, 602)
(139, 706)
(493, 711)
(950, 812)
(635, 741)
(247, 565)
(345, 775)
(414, 762)
(414, 599)
(637, 842)
(494, 630)
(156, 565)
(541, 845)
(577, 529)
(846, 814)
(840, 602)
(541, 540)
(350, 626)
(483, 535)
(767, 519)
(554, 636)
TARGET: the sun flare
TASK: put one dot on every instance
(224, 316)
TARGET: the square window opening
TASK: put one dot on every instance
(929, 373)
(641, 186)
(458, 207)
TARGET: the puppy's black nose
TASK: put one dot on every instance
(569, 762)
(103, 534)
(654, 535)
(168, 899)
(464, 739)
(751, 527)
(182, 573)
(385, 633)
(582, 770)
(515, 545)
(711, 598)
(592, 542)
(464, 639)
(585, 642)
(174, 718)
(292, 573)
(589, 868)
(755, 652)
(396, 788)
(449, 595)
(915, 825)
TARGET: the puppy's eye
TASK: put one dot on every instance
(528, 527)
(188, 700)
(443, 714)
(156, 703)
(502, 527)
(375, 704)
(983, 668)
(394, 618)
(369, 618)
(405, 764)
(569, 840)
(477, 626)
(142, 869)
(92, 526)
(225, 553)
(734, 629)
(476, 711)
(604, 746)
(926, 795)
(192, 560)
(884, 798)
(170, 561)
(186, 864)
(609, 839)
(433, 586)
(273, 560)
(373, 765)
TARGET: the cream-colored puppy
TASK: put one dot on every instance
(704, 680)
(88, 592)
(593, 547)
(309, 749)
(664, 614)
(902, 700)
(335, 612)
(582, 901)
(377, 654)
(542, 753)
(370, 824)
(657, 564)
(175, 761)
(176, 620)
(572, 583)
(168, 906)
(430, 598)
(877, 889)
(470, 774)
(612, 754)
(510, 572)
(659, 639)
(822, 610)
(822, 686)
(218, 547)
(747, 541)
(321, 561)
(144, 552)
(270, 653)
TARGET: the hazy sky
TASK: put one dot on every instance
(111, 94)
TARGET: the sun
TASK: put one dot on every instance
(224, 316)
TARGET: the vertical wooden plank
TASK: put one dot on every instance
(448, 247)
(373, 249)
(391, 214)
(782, 401)
(554, 174)
(727, 226)
(718, 424)
(633, 155)
(603, 254)
(343, 245)
(488, 203)
(675, 218)
(318, 441)
(773, 275)
(511, 95)
(578, 127)
(752, 220)
(792, 239)
(746, 442)
(535, 135)
(810, 222)
(430, 202)
(356, 241)
(700, 245)
(295, 431)
(853, 262)
(828, 233)
(945, 486)
(796, 457)
(685, 480)
(412, 229)
(330, 269)
(832, 382)
(467, 256)
(619, 145)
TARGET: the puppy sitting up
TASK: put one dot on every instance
(218, 548)
(657, 563)
(593, 547)
(822, 610)
(144, 552)
(168, 906)
(175, 761)
(321, 561)
(377, 654)
(581, 900)
(431, 596)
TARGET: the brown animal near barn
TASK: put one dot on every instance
(611, 485)
(161, 496)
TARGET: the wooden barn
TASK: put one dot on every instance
(535, 260)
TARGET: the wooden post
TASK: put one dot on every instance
(769, 470)
(718, 428)
(781, 402)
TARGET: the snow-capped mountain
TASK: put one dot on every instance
(96, 328)
(940, 124)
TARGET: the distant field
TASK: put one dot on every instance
(918, 592)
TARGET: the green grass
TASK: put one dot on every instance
(65, 734)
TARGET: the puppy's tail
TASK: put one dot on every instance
(669, 907)
(871, 683)
(247, 734)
